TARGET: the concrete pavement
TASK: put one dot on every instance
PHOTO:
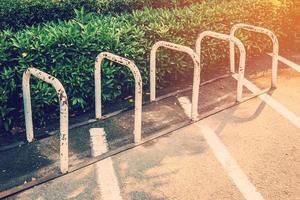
(249, 151)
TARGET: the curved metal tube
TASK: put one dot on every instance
(196, 78)
(272, 36)
(242, 55)
(138, 90)
(64, 112)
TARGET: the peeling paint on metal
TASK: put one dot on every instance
(270, 34)
(242, 50)
(64, 115)
(138, 90)
(196, 78)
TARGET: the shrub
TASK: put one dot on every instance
(17, 14)
(67, 50)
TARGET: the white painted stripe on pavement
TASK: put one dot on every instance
(229, 164)
(289, 63)
(185, 103)
(223, 156)
(106, 178)
(282, 110)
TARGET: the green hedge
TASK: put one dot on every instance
(67, 50)
(17, 14)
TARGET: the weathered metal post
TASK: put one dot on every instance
(272, 36)
(138, 90)
(63, 102)
(196, 78)
(242, 55)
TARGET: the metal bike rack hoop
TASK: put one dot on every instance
(242, 55)
(272, 36)
(138, 90)
(63, 102)
(196, 78)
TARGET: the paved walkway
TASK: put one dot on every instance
(250, 151)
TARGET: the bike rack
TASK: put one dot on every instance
(138, 90)
(242, 55)
(272, 36)
(63, 102)
(138, 96)
(196, 78)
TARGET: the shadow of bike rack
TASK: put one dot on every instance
(64, 117)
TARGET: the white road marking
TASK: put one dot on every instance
(289, 63)
(229, 164)
(186, 105)
(223, 156)
(106, 178)
(283, 111)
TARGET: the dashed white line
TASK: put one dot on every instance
(229, 164)
(223, 156)
(283, 111)
(106, 178)
(185, 103)
(288, 62)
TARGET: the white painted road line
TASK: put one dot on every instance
(289, 63)
(186, 105)
(223, 156)
(282, 110)
(229, 164)
(106, 178)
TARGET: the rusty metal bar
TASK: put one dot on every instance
(138, 90)
(63, 102)
(242, 55)
(265, 31)
(196, 78)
